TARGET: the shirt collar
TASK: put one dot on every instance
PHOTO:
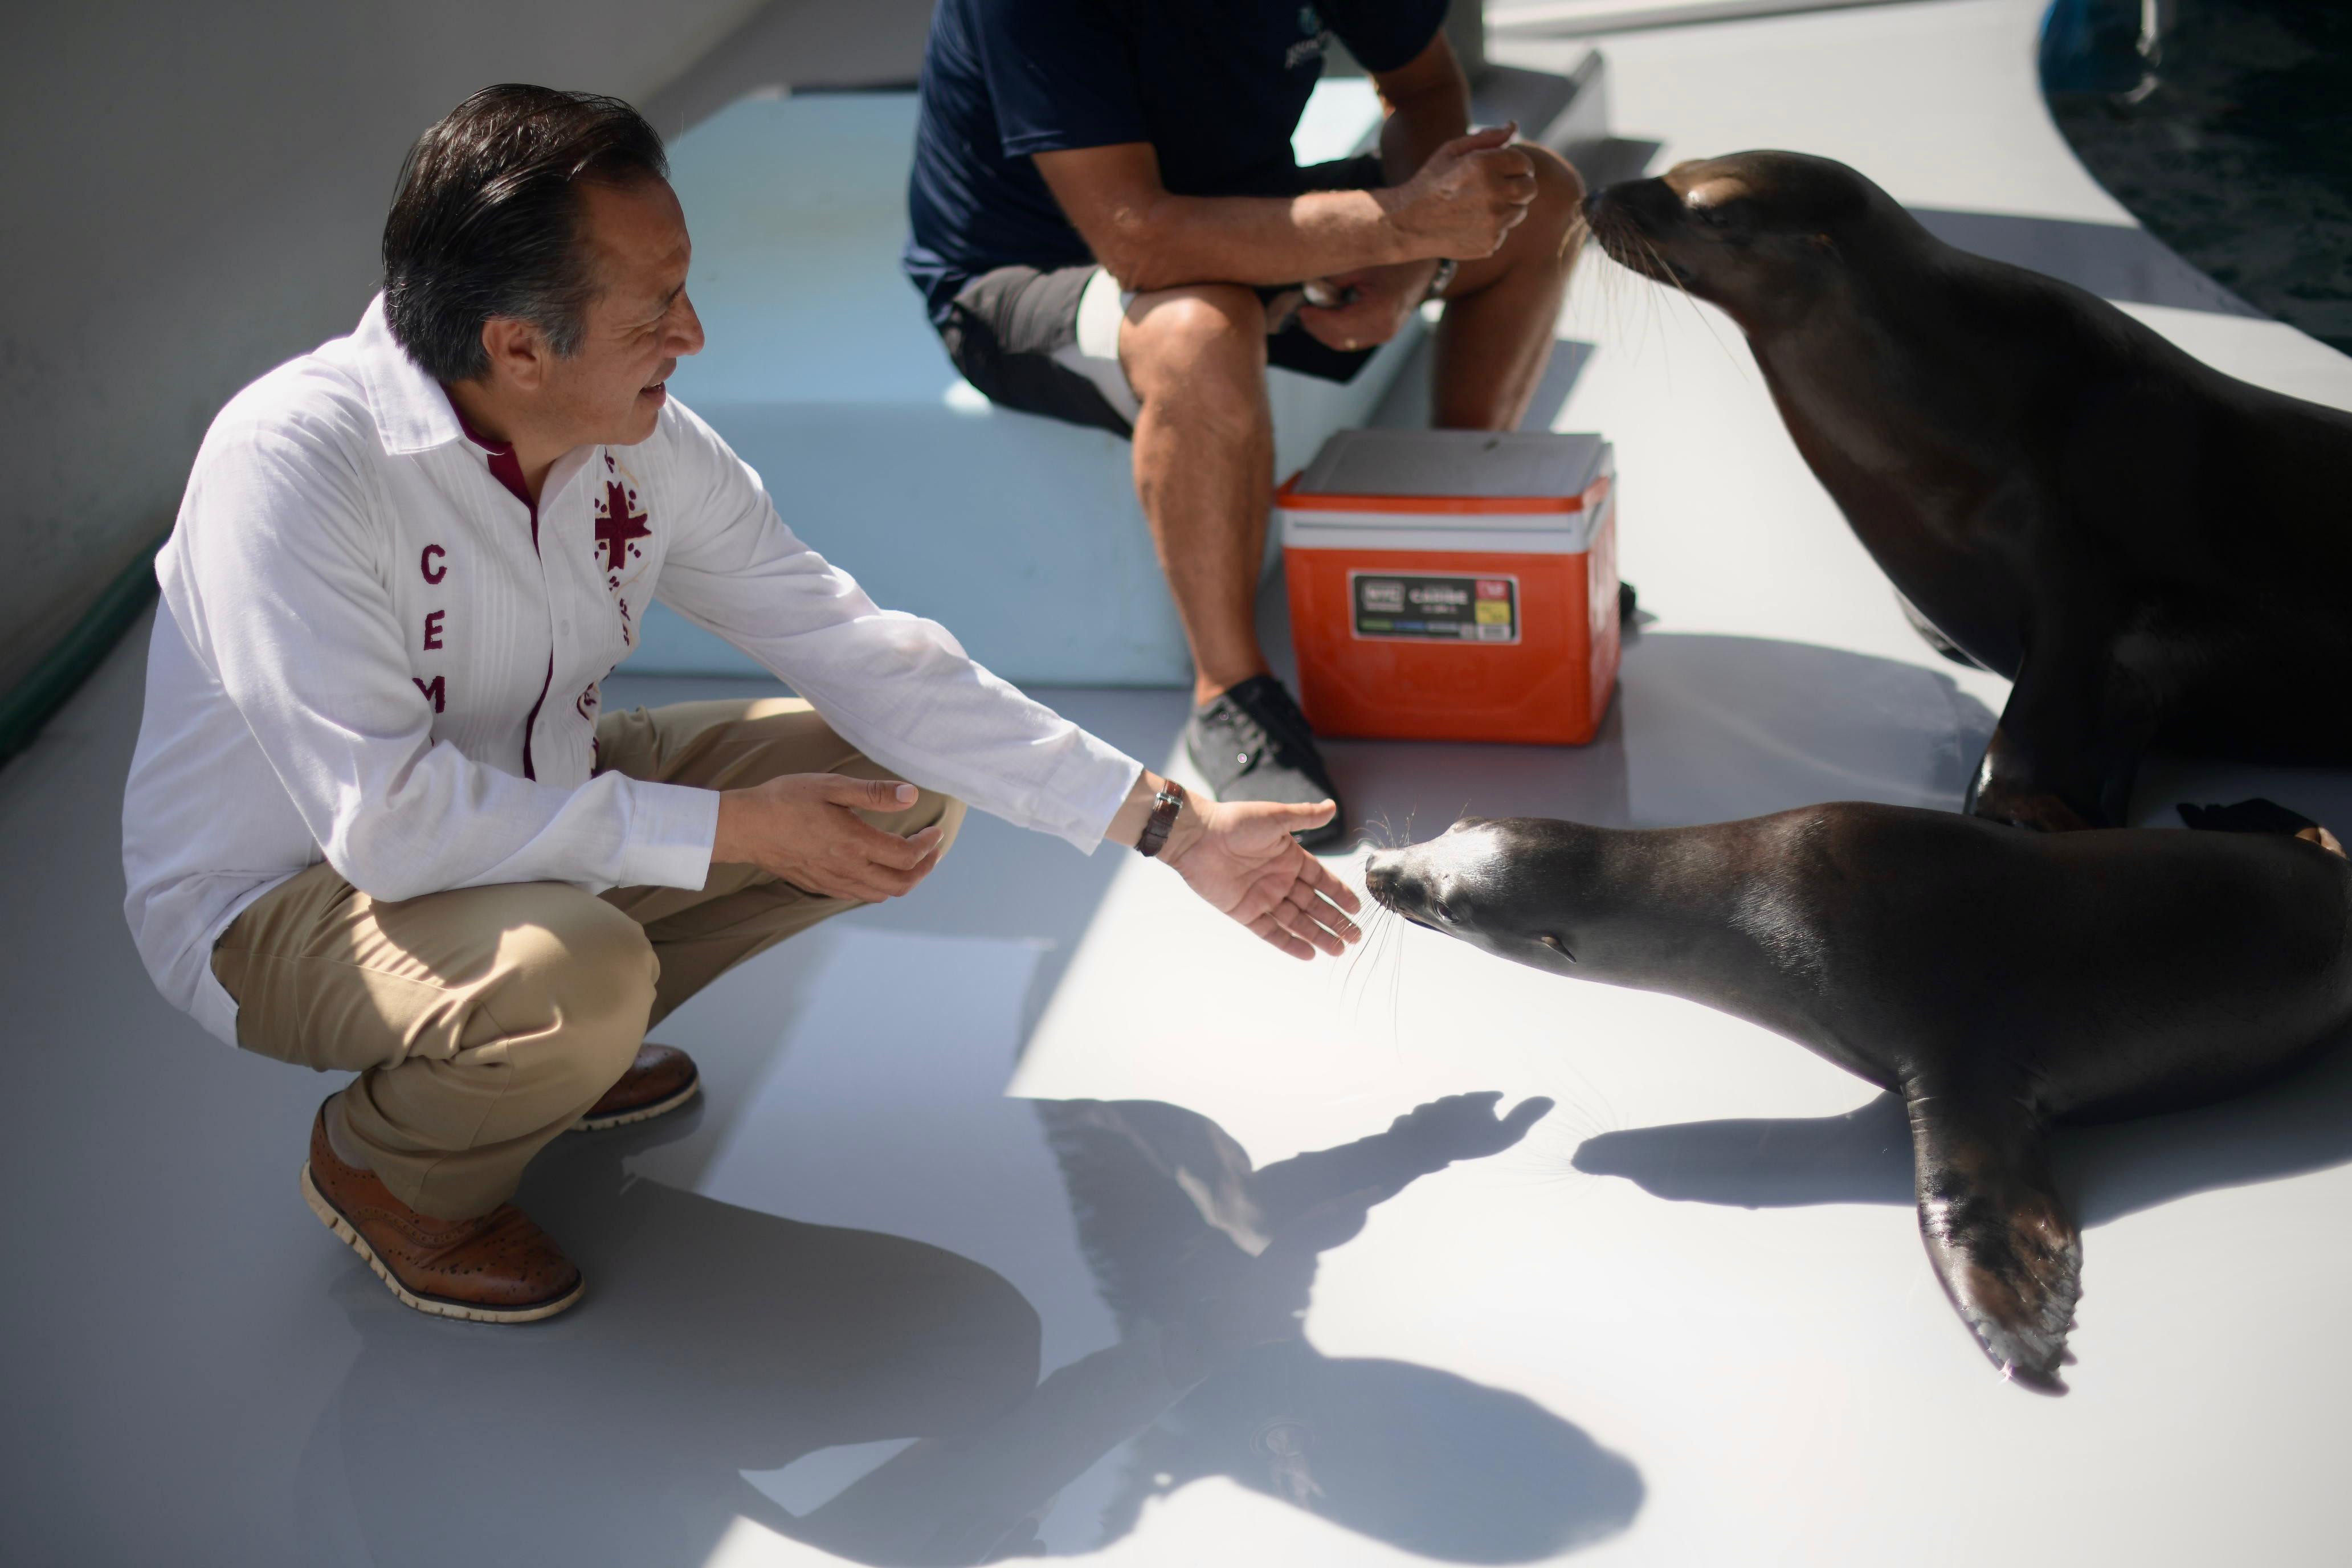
(412, 413)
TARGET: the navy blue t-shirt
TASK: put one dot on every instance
(1215, 86)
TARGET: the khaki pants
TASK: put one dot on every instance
(483, 1021)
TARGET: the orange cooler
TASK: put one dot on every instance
(1454, 585)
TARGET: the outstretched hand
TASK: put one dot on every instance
(1242, 859)
(1470, 1126)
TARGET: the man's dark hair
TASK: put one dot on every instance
(488, 221)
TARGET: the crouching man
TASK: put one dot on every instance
(378, 821)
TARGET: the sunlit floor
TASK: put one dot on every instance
(960, 1255)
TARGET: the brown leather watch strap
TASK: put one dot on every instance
(1164, 808)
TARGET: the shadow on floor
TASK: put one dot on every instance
(720, 1339)
(1703, 729)
(2300, 1124)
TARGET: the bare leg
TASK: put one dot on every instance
(1500, 313)
(1204, 464)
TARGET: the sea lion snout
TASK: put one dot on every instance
(1397, 881)
(1756, 232)
(1473, 882)
(1422, 882)
(1633, 222)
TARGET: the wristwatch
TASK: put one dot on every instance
(1164, 808)
(1446, 267)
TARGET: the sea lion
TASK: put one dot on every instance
(2154, 551)
(1999, 981)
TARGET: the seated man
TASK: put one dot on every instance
(1109, 229)
(378, 821)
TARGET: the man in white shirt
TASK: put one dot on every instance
(378, 821)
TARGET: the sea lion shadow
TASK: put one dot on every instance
(2296, 1123)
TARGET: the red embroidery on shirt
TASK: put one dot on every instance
(424, 563)
(437, 692)
(617, 527)
(432, 629)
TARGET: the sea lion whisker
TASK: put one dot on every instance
(1674, 275)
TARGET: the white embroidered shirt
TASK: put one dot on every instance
(369, 651)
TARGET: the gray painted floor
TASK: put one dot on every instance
(984, 1177)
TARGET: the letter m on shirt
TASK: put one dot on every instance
(438, 692)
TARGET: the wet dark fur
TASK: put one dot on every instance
(1999, 981)
(2153, 550)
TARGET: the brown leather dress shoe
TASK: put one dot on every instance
(662, 1078)
(497, 1267)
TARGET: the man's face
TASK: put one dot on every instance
(640, 324)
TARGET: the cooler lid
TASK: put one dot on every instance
(1539, 469)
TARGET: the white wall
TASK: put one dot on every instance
(194, 191)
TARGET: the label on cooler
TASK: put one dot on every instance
(1388, 606)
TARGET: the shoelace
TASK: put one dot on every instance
(1252, 735)
(1283, 730)
(1289, 724)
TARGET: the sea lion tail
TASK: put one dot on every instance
(2258, 815)
(2002, 1242)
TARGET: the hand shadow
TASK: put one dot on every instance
(1207, 1265)
(719, 1340)
(2300, 1122)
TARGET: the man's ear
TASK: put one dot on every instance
(518, 352)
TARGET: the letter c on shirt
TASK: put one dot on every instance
(432, 574)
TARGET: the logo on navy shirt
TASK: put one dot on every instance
(1310, 48)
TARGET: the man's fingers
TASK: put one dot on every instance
(1506, 163)
(1302, 923)
(1479, 141)
(1322, 911)
(869, 795)
(1527, 1113)
(1294, 818)
(1266, 927)
(1321, 877)
(888, 849)
(871, 884)
(866, 841)
(1349, 327)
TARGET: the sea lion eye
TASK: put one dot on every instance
(1732, 213)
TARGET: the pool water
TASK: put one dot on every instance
(2233, 146)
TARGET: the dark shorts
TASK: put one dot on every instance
(1007, 329)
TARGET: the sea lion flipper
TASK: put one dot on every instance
(2000, 1240)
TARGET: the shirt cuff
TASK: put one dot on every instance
(668, 839)
(1088, 791)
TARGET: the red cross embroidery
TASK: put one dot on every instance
(619, 526)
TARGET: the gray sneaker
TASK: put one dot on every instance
(1251, 742)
